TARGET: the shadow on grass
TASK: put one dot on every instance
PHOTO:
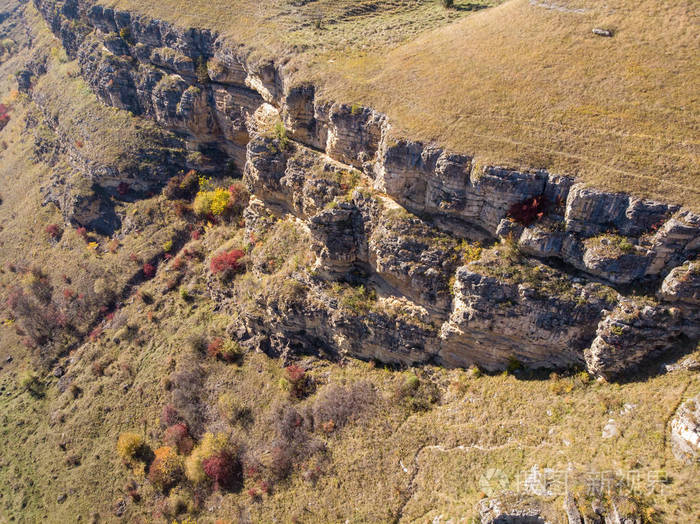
(469, 6)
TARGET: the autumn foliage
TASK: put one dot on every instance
(223, 469)
(149, 270)
(228, 261)
(4, 115)
(178, 437)
(529, 211)
(166, 469)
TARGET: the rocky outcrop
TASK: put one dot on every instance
(685, 431)
(632, 334)
(522, 511)
(207, 88)
(512, 312)
(592, 505)
(682, 284)
(390, 213)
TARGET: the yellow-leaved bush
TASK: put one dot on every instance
(210, 445)
(130, 446)
(215, 202)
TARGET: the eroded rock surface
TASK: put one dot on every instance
(685, 431)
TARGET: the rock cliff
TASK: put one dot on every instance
(457, 263)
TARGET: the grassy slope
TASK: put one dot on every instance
(480, 423)
(519, 84)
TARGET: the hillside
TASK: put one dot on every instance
(250, 271)
(526, 84)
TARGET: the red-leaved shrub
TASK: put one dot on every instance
(82, 233)
(227, 261)
(4, 115)
(214, 347)
(223, 469)
(149, 270)
(529, 211)
(53, 231)
(178, 437)
(296, 377)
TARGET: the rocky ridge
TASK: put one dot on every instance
(399, 217)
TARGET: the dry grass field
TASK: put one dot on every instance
(525, 83)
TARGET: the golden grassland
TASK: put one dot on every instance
(524, 84)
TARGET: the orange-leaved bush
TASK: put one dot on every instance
(166, 469)
(225, 350)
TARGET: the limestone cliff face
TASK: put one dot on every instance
(389, 213)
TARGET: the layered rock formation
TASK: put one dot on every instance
(400, 217)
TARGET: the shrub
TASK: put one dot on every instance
(4, 115)
(239, 197)
(226, 350)
(337, 405)
(29, 381)
(357, 299)
(223, 468)
(295, 381)
(178, 437)
(182, 186)
(447, 4)
(202, 71)
(186, 391)
(470, 251)
(169, 415)
(416, 394)
(214, 203)
(53, 231)
(123, 189)
(82, 233)
(281, 135)
(214, 347)
(197, 342)
(166, 469)
(149, 270)
(529, 211)
(226, 262)
(33, 307)
(230, 408)
(125, 33)
(131, 447)
(175, 504)
(513, 365)
(209, 446)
